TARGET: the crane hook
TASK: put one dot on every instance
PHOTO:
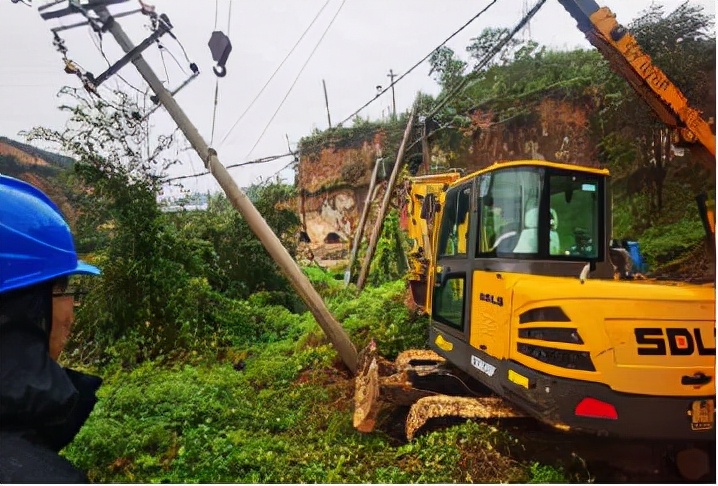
(220, 47)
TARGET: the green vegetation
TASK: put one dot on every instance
(280, 411)
(214, 371)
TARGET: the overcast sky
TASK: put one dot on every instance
(353, 54)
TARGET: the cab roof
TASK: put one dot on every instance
(533, 163)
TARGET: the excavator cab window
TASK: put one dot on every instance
(575, 219)
(448, 306)
(538, 213)
(508, 208)
(454, 230)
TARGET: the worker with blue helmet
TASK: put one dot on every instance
(42, 404)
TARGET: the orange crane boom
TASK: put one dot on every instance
(626, 57)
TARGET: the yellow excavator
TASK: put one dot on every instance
(513, 265)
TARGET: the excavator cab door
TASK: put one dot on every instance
(452, 277)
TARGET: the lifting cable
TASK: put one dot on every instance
(216, 80)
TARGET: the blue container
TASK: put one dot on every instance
(638, 264)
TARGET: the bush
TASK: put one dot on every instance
(663, 244)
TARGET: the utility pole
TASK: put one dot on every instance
(425, 153)
(379, 224)
(391, 76)
(326, 102)
(239, 200)
(359, 233)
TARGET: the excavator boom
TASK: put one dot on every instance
(626, 57)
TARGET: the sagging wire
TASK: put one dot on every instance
(100, 48)
(155, 21)
(256, 97)
(263, 160)
(301, 70)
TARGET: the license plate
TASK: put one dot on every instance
(702, 414)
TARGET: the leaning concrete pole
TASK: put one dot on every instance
(359, 233)
(379, 224)
(241, 202)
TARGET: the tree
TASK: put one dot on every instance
(448, 70)
(238, 264)
(484, 48)
(152, 297)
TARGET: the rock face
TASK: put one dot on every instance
(21, 157)
(333, 180)
(556, 130)
(37, 171)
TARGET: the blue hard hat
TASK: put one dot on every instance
(35, 241)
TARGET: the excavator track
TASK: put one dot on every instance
(419, 378)
(451, 406)
(423, 381)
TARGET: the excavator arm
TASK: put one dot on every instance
(626, 57)
(628, 60)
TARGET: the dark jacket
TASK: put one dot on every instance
(42, 405)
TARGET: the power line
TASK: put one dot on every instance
(297, 77)
(280, 170)
(487, 58)
(419, 62)
(263, 160)
(179, 64)
(275, 71)
(164, 64)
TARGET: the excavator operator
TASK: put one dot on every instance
(583, 245)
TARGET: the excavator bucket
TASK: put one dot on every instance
(419, 378)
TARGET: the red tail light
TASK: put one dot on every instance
(590, 407)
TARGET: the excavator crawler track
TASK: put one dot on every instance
(423, 380)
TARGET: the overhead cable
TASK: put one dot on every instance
(263, 160)
(275, 72)
(301, 70)
(486, 59)
(419, 62)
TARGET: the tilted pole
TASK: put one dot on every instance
(241, 202)
(359, 233)
(379, 224)
(326, 102)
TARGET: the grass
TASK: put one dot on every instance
(279, 412)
